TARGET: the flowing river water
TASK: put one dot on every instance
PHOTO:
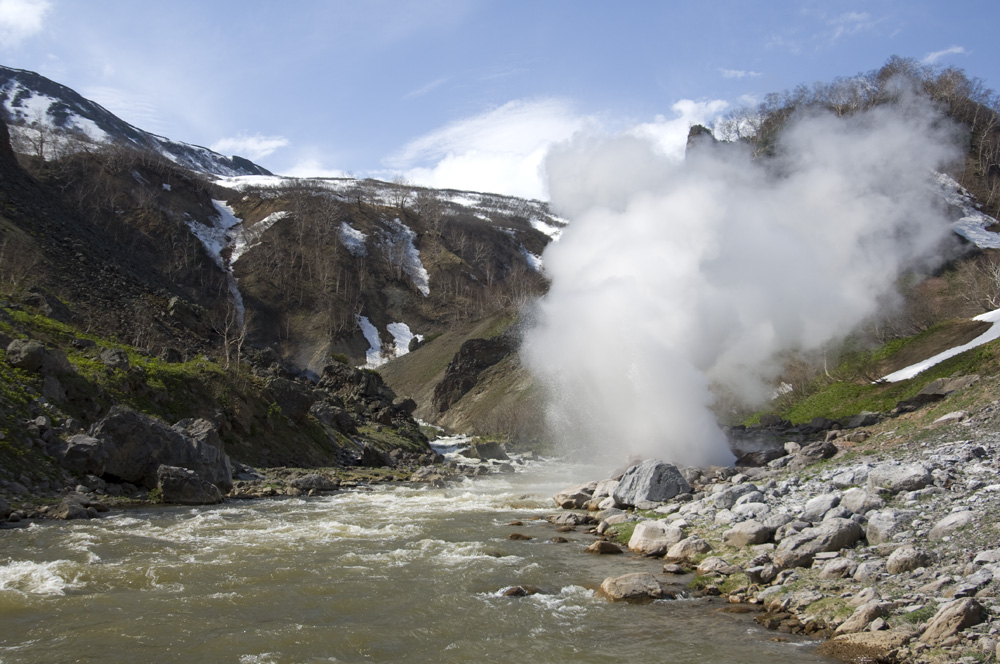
(388, 574)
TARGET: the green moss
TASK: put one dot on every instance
(621, 532)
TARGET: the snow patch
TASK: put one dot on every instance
(403, 336)
(534, 260)
(244, 239)
(166, 187)
(353, 239)
(986, 337)
(973, 223)
(399, 245)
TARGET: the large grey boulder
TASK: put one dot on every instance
(654, 538)
(314, 482)
(800, 549)
(863, 616)
(895, 477)
(137, 445)
(486, 450)
(294, 399)
(181, 486)
(33, 356)
(649, 483)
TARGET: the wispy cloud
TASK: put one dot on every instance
(252, 147)
(420, 92)
(132, 108)
(738, 73)
(932, 58)
(20, 19)
(851, 23)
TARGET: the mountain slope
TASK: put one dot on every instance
(42, 110)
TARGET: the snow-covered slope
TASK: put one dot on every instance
(31, 103)
(986, 337)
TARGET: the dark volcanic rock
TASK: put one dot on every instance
(137, 445)
(181, 486)
(462, 373)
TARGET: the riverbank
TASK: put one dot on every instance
(889, 548)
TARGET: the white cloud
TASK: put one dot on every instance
(314, 168)
(500, 150)
(20, 19)
(252, 147)
(851, 23)
(932, 58)
(503, 150)
(738, 73)
(670, 136)
(135, 109)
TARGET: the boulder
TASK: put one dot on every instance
(486, 451)
(747, 533)
(570, 519)
(575, 497)
(33, 356)
(80, 454)
(906, 559)
(649, 483)
(951, 618)
(819, 505)
(114, 359)
(883, 525)
(181, 486)
(654, 538)
(687, 548)
(717, 565)
(373, 457)
(800, 549)
(727, 498)
(314, 482)
(866, 646)
(635, 587)
(863, 616)
(951, 523)
(603, 547)
(838, 568)
(860, 501)
(812, 453)
(895, 477)
(71, 507)
(137, 445)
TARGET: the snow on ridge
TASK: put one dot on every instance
(973, 223)
(353, 239)
(543, 227)
(989, 335)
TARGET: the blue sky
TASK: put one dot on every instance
(463, 93)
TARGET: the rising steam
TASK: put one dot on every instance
(672, 277)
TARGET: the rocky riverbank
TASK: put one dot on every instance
(886, 544)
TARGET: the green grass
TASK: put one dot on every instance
(843, 399)
(621, 533)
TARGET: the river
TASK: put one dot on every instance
(391, 573)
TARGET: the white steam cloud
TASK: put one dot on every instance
(672, 277)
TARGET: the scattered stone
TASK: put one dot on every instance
(819, 505)
(831, 535)
(687, 548)
(635, 587)
(951, 618)
(951, 523)
(603, 547)
(654, 537)
(747, 533)
(519, 537)
(575, 497)
(862, 617)
(906, 559)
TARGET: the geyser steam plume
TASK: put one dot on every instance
(673, 277)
